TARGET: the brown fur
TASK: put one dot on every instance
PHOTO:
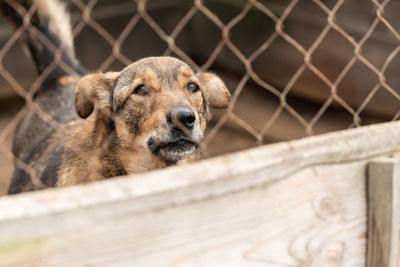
(134, 118)
(150, 115)
(111, 138)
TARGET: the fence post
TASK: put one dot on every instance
(384, 212)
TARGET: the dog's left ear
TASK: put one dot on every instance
(215, 90)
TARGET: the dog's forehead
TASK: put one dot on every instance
(162, 73)
(162, 68)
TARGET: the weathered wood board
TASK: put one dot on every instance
(384, 212)
(300, 203)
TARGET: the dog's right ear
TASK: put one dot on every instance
(94, 92)
(217, 93)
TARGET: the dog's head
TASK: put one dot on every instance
(156, 104)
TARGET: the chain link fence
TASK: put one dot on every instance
(295, 68)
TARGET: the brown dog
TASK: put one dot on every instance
(150, 115)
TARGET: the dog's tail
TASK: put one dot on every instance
(48, 35)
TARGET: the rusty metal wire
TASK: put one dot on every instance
(249, 77)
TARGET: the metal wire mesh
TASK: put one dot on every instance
(277, 33)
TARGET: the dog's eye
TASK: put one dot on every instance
(140, 90)
(193, 87)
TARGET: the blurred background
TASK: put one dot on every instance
(294, 68)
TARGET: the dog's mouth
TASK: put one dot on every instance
(173, 150)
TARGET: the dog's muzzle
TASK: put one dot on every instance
(180, 142)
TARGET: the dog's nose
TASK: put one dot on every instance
(181, 116)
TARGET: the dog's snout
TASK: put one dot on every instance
(181, 116)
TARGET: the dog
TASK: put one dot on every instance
(87, 127)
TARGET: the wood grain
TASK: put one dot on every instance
(304, 220)
(384, 212)
(300, 203)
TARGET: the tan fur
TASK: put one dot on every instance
(218, 93)
(93, 98)
(150, 115)
(64, 80)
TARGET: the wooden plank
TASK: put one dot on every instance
(300, 203)
(384, 213)
(304, 220)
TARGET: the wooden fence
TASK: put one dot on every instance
(329, 200)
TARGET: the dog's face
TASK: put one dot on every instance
(156, 104)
